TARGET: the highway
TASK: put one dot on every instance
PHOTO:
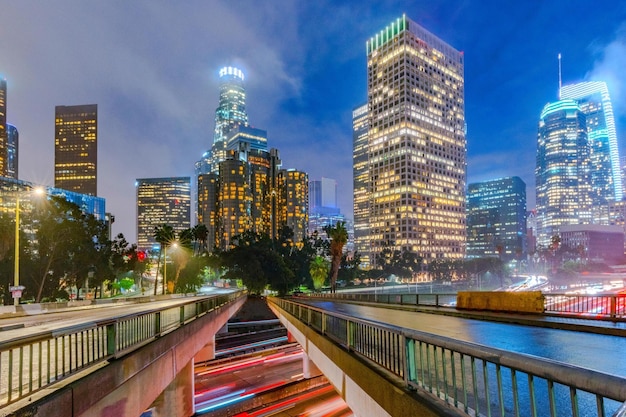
(589, 350)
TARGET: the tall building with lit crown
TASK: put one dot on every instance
(12, 151)
(562, 177)
(230, 113)
(360, 180)
(496, 219)
(162, 201)
(416, 143)
(3, 127)
(595, 102)
(76, 148)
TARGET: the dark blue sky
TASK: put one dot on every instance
(151, 66)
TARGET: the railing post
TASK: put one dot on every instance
(613, 306)
(111, 339)
(157, 323)
(182, 315)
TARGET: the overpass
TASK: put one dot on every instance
(124, 366)
(115, 367)
(381, 369)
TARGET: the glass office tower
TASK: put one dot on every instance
(496, 219)
(416, 143)
(230, 113)
(562, 173)
(595, 102)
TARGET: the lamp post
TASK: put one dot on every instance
(16, 270)
(164, 269)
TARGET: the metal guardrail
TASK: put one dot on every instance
(475, 379)
(601, 306)
(31, 363)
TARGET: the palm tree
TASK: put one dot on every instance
(318, 268)
(163, 234)
(338, 238)
(201, 234)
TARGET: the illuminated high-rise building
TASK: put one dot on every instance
(496, 219)
(12, 151)
(595, 102)
(76, 148)
(416, 143)
(562, 174)
(162, 201)
(294, 202)
(3, 127)
(230, 113)
(207, 205)
(233, 201)
(360, 171)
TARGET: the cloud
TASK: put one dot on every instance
(609, 67)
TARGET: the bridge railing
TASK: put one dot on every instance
(601, 306)
(475, 379)
(30, 363)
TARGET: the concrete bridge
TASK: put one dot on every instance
(378, 369)
(156, 372)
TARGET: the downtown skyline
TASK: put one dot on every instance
(152, 68)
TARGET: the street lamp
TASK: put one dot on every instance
(174, 245)
(16, 271)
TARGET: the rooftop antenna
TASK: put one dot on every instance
(560, 76)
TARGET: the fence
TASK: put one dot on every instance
(30, 363)
(475, 379)
(599, 306)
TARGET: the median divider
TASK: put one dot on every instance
(510, 302)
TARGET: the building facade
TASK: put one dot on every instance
(595, 102)
(360, 182)
(595, 242)
(230, 113)
(294, 203)
(562, 177)
(12, 151)
(496, 219)
(161, 201)
(3, 127)
(416, 146)
(76, 148)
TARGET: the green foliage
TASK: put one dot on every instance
(401, 263)
(319, 268)
(338, 235)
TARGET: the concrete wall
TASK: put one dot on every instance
(129, 385)
(367, 391)
(516, 302)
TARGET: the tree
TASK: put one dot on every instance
(319, 268)
(163, 234)
(201, 235)
(402, 263)
(338, 238)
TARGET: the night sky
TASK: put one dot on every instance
(152, 68)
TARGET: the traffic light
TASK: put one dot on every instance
(141, 256)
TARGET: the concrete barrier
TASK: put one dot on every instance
(511, 302)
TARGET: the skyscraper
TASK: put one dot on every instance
(12, 151)
(562, 173)
(294, 202)
(3, 127)
(159, 201)
(595, 102)
(360, 173)
(230, 113)
(76, 148)
(496, 218)
(416, 143)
